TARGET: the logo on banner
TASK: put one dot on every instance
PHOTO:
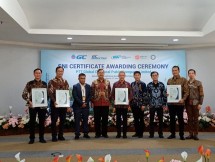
(115, 57)
(96, 57)
(79, 57)
(153, 57)
(139, 57)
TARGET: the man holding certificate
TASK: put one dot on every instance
(82, 94)
(122, 95)
(58, 91)
(34, 109)
(177, 93)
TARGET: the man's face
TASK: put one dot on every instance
(59, 73)
(82, 79)
(191, 75)
(175, 71)
(121, 76)
(155, 76)
(101, 74)
(37, 74)
(137, 77)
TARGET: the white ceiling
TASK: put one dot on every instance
(149, 22)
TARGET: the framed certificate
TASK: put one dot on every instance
(121, 96)
(62, 98)
(174, 93)
(39, 97)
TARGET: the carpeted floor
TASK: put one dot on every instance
(123, 150)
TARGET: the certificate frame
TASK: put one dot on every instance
(174, 93)
(62, 98)
(121, 96)
(39, 97)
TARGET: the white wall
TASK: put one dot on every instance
(17, 65)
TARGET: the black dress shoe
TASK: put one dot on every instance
(42, 141)
(195, 138)
(161, 136)
(31, 141)
(151, 136)
(97, 136)
(189, 137)
(182, 138)
(118, 136)
(140, 136)
(124, 136)
(135, 135)
(86, 136)
(54, 139)
(171, 136)
(76, 137)
(105, 136)
(61, 138)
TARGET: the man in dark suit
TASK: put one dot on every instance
(82, 94)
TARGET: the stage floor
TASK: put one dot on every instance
(123, 150)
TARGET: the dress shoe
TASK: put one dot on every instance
(189, 137)
(195, 138)
(31, 141)
(171, 136)
(161, 136)
(105, 136)
(151, 136)
(135, 135)
(76, 137)
(118, 136)
(86, 135)
(54, 139)
(124, 136)
(140, 136)
(97, 136)
(182, 138)
(61, 138)
(42, 140)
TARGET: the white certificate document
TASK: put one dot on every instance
(121, 96)
(174, 93)
(62, 98)
(39, 97)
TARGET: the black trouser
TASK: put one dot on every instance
(55, 113)
(81, 113)
(101, 116)
(139, 124)
(173, 111)
(159, 111)
(42, 116)
(121, 112)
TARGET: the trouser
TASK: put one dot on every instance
(81, 113)
(139, 124)
(42, 116)
(193, 122)
(101, 116)
(55, 113)
(121, 112)
(159, 111)
(173, 111)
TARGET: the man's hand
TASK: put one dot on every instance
(142, 108)
(30, 104)
(181, 101)
(114, 110)
(84, 105)
(199, 107)
(55, 105)
(69, 109)
(129, 108)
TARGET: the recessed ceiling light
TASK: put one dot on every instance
(175, 40)
(69, 38)
(123, 39)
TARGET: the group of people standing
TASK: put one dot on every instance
(100, 96)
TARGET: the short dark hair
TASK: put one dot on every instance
(100, 70)
(176, 67)
(137, 72)
(59, 67)
(154, 72)
(191, 70)
(38, 69)
(81, 74)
